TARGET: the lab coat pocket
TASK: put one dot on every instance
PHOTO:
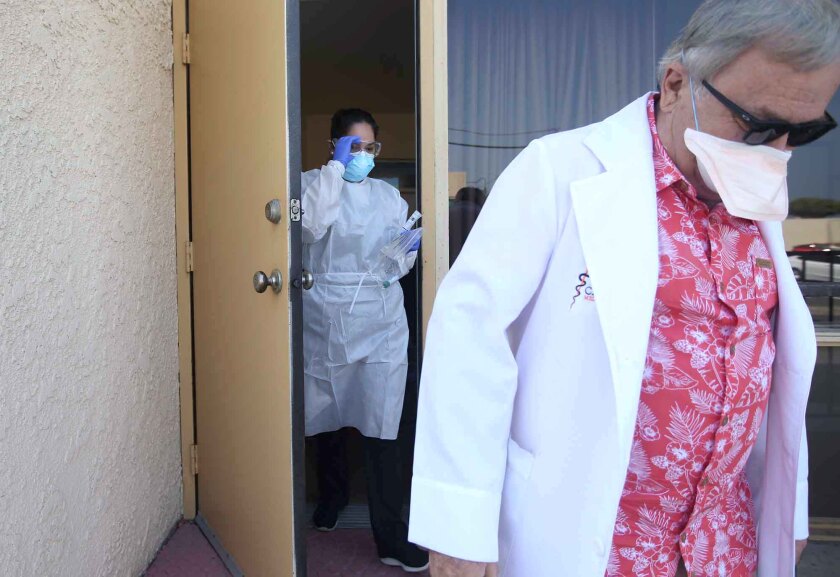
(517, 477)
(361, 334)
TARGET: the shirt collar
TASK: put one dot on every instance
(666, 173)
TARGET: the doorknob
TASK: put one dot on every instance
(274, 211)
(306, 281)
(262, 281)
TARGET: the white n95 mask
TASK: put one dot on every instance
(751, 180)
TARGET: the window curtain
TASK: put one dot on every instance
(520, 70)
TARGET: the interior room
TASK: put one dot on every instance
(362, 55)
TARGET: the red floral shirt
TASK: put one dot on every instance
(704, 391)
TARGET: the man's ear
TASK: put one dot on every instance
(675, 81)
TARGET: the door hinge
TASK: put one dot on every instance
(194, 459)
(189, 255)
(185, 49)
(294, 210)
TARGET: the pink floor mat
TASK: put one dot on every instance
(187, 554)
(347, 553)
(342, 553)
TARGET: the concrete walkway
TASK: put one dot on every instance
(820, 560)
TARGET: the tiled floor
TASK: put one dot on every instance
(351, 553)
(343, 553)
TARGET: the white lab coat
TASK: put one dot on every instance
(355, 332)
(528, 404)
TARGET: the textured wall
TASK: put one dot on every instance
(89, 439)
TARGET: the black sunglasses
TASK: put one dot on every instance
(764, 131)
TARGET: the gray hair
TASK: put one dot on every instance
(802, 33)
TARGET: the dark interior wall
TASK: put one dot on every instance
(358, 54)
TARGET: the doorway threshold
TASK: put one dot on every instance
(354, 516)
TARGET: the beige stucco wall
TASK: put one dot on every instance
(811, 230)
(89, 439)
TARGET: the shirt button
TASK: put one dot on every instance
(683, 538)
(725, 421)
(732, 350)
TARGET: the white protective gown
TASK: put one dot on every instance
(355, 335)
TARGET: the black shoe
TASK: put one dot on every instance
(410, 557)
(326, 517)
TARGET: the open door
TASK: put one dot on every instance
(239, 125)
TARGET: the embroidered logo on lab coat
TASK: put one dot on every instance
(583, 289)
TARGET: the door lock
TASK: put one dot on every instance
(274, 211)
(262, 281)
(295, 209)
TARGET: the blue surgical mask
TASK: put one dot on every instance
(359, 167)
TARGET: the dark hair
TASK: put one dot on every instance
(471, 194)
(345, 118)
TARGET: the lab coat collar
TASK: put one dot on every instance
(616, 216)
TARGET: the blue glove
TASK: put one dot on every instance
(416, 246)
(342, 149)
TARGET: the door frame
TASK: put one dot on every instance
(433, 149)
(180, 83)
(296, 363)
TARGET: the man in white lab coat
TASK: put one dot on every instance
(617, 367)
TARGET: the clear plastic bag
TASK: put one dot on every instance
(398, 256)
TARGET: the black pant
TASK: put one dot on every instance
(385, 487)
